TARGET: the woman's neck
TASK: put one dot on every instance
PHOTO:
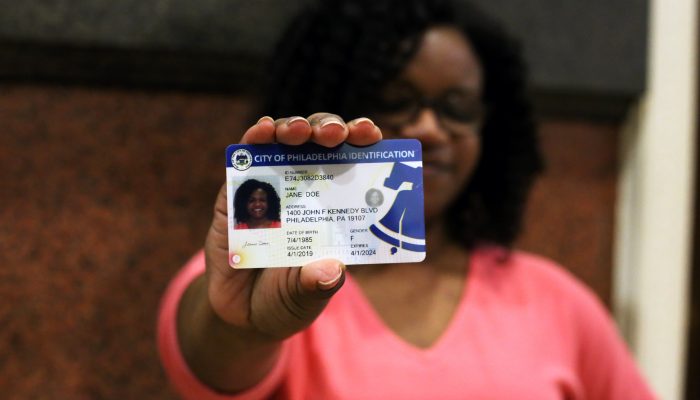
(443, 253)
(418, 300)
(437, 240)
(442, 250)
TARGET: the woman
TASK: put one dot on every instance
(476, 319)
(256, 205)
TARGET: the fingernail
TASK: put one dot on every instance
(333, 281)
(363, 120)
(295, 119)
(265, 118)
(331, 121)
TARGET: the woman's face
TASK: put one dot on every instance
(257, 204)
(437, 100)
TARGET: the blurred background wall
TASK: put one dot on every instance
(658, 205)
(113, 121)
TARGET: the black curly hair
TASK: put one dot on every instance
(336, 56)
(240, 200)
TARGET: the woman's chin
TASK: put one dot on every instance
(435, 208)
(439, 192)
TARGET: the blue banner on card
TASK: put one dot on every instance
(244, 156)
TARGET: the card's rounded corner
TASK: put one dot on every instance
(416, 141)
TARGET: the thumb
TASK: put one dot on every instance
(322, 277)
(301, 296)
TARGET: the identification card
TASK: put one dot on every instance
(289, 205)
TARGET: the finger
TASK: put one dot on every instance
(227, 285)
(328, 130)
(216, 244)
(217, 237)
(261, 133)
(292, 131)
(220, 218)
(363, 132)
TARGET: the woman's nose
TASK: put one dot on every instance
(427, 128)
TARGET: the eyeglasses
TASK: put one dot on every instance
(458, 110)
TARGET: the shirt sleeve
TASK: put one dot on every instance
(177, 370)
(607, 369)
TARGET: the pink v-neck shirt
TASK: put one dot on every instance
(524, 329)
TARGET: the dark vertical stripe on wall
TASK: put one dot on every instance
(693, 360)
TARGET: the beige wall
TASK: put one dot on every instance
(656, 197)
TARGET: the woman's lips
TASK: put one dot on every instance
(435, 167)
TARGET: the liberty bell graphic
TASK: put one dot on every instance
(402, 226)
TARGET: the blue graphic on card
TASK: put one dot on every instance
(403, 224)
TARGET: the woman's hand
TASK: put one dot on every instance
(275, 303)
(231, 322)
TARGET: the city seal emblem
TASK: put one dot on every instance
(241, 159)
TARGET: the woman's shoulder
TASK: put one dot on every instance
(566, 310)
(530, 276)
(520, 263)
